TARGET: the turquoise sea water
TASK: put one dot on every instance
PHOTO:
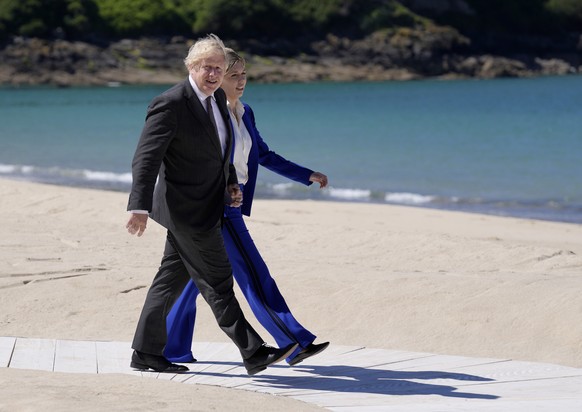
(504, 146)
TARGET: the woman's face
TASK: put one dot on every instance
(234, 82)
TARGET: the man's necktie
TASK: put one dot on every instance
(211, 113)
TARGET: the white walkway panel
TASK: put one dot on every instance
(341, 379)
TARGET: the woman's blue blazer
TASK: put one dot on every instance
(261, 155)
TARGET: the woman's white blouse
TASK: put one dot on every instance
(242, 143)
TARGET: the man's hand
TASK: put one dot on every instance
(137, 223)
(320, 178)
(236, 195)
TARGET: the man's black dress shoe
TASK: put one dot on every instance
(145, 361)
(266, 356)
(309, 351)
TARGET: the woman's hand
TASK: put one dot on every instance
(320, 178)
(236, 195)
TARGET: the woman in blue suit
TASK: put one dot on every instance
(249, 269)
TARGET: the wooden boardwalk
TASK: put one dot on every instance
(343, 378)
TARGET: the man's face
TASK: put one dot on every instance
(209, 74)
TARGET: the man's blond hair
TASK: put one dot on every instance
(203, 48)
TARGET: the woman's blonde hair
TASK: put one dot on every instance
(233, 58)
(203, 48)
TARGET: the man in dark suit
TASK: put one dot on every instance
(187, 142)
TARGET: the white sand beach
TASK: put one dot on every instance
(380, 276)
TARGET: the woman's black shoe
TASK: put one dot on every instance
(308, 352)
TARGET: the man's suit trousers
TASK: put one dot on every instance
(199, 256)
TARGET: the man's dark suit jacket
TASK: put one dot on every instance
(179, 141)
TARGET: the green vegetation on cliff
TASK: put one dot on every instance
(277, 19)
(69, 42)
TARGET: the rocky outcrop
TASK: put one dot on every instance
(395, 54)
(62, 63)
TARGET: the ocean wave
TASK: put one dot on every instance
(408, 198)
(66, 176)
(565, 210)
(16, 169)
(282, 187)
(354, 194)
(108, 176)
(7, 169)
